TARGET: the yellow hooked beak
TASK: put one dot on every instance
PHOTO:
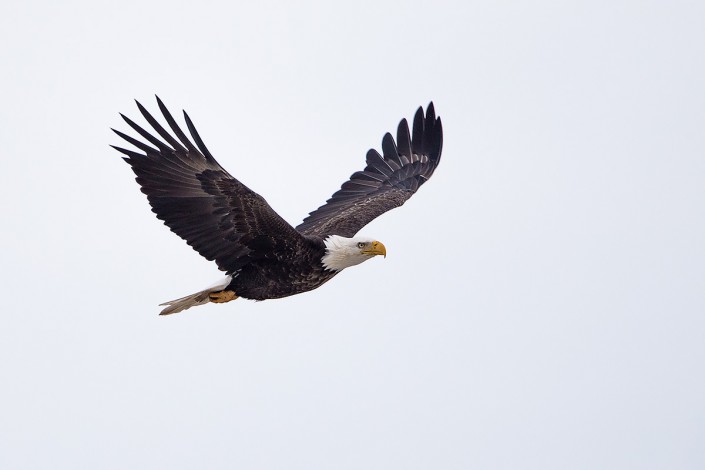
(375, 248)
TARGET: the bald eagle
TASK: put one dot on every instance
(262, 255)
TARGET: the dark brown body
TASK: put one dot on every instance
(290, 274)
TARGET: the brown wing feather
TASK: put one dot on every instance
(197, 199)
(385, 183)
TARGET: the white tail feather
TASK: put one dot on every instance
(199, 298)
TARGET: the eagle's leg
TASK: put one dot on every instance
(222, 296)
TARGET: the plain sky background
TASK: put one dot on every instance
(542, 305)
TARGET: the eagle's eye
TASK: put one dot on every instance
(361, 245)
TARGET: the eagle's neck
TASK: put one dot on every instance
(341, 253)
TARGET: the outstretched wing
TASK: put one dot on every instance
(197, 199)
(385, 183)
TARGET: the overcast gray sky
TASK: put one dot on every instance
(541, 305)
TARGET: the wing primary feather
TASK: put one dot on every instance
(156, 142)
(403, 140)
(135, 142)
(158, 127)
(375, 160)
(417, 136)
(197, 138)
(438, 131)
(431, 112)
(174, 126)
(389, 149)
(428, 134)
(129, 153)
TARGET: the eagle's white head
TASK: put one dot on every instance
(344, 252)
